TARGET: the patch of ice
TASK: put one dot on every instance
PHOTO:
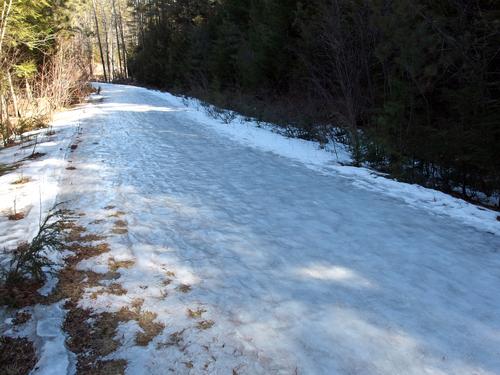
(49, 338)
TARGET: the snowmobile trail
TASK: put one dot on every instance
(246, 262)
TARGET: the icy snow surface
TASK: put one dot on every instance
(302, 265)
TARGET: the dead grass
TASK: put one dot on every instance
(88, 251)
(21, 180)
(175, 339)
(119, 231)
(76, 235)
(120, 223)
(116, 289)
(145, 320)
(117, 214)
(72, 282)
(195, 314)
(23, 294)
(92, 237)
(75, 231)
(91, 337)
(184, 288)
(170, 273)
(150, 328)
(120, 227)
(205, 324)
(17, 216)
(17, 356)
(90, 341)
(114, 265)
(137, 304)
(21, 318)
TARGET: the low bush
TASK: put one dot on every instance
(30, 259)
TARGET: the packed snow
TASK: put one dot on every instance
(294, 262)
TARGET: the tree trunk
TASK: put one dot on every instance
(28, 91)
(117, 34)
(106, 43)
(124, 46)
(99, 40)
(6, 126)
(3, 24)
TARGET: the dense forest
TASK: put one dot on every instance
(412, 86)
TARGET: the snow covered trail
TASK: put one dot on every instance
(284, 269)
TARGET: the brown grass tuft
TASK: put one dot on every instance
(21, 180)
(195, 314)
(119, 231)
(184, 288)
(17, 216)
(17, 356)
(75, 235)
(114, 265)
(21, 318)
(175, 339)
(120, 223)
(205, 324)
(23, 294)
(170, 273)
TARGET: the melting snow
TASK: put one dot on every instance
(263, 254)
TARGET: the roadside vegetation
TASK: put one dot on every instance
(411, 86)
(44, 63)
